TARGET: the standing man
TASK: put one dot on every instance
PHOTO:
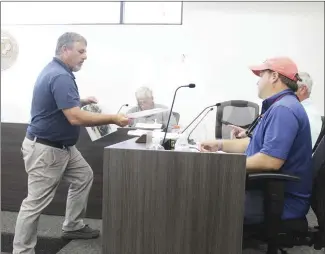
(281, 140)
(49, 150)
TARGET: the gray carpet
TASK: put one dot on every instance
(50, 226)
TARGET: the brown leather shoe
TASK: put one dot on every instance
(84, 233)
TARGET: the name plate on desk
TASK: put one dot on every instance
(155, 133)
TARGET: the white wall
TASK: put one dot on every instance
(212, 49)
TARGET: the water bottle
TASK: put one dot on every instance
(149, 139)
(182, 143)
(156, 144)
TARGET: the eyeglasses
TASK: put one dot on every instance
(144, 102)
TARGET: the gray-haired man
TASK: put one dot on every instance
(49, 150)
(303, 93)
(145, 101)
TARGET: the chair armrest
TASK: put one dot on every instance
(272, 176)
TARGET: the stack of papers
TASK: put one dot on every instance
(155, 133)
(150, 126)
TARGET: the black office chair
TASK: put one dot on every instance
(235, 112)
(280, 234)
(320, 136)
(177, 116)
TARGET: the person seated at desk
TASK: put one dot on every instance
(303, 93)
(145, 101)
(281, 140)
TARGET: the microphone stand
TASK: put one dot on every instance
(122, 107)
(188, 138)
(171, 111)
(215, 105)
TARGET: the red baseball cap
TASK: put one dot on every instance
(282, 65)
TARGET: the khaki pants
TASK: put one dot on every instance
(46, 166)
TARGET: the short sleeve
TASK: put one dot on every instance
(65, 92)
(280, 132)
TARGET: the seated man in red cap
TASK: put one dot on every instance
(281, 140)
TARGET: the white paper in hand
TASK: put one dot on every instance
(148, 112)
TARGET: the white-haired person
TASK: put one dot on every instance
(145, 101)
(303, 93)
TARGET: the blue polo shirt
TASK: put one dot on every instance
(284, 132)
(55, 89)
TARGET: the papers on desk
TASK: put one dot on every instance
(148, 112)
(155, 133)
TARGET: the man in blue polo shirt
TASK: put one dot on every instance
(49, 150)
(281, 140)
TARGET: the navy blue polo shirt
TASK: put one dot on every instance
(55, 89)
(284, 132)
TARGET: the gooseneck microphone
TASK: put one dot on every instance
(188, 138)
(215, 105)
(171, 108)
(124, 105)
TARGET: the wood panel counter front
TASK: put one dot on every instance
(168, 202)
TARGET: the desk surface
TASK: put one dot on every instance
(158, 202)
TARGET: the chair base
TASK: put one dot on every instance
(312, 237)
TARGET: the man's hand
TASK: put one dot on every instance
(209, 146)
(237, 132)
(121, 120)
(88, 100)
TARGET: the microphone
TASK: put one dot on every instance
(171, 108)
(188, 138)
(124, 105)
(215, 105)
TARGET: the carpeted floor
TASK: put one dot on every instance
(51, 226)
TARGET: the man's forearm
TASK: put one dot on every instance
(235, 145)
(88, 119)
(261, 162)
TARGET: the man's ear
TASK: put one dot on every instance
(274, 77)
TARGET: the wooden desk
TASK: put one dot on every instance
(168, 202)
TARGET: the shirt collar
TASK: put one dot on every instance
(267, 103)
(57, 60)
(306, 101)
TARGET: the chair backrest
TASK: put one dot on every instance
(321, 134)
(235, 112)
(177, 116)
(318, 195)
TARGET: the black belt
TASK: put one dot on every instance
(46, 142)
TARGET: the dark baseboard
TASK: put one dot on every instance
(14, 177)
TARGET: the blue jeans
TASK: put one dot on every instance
(254, 207)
